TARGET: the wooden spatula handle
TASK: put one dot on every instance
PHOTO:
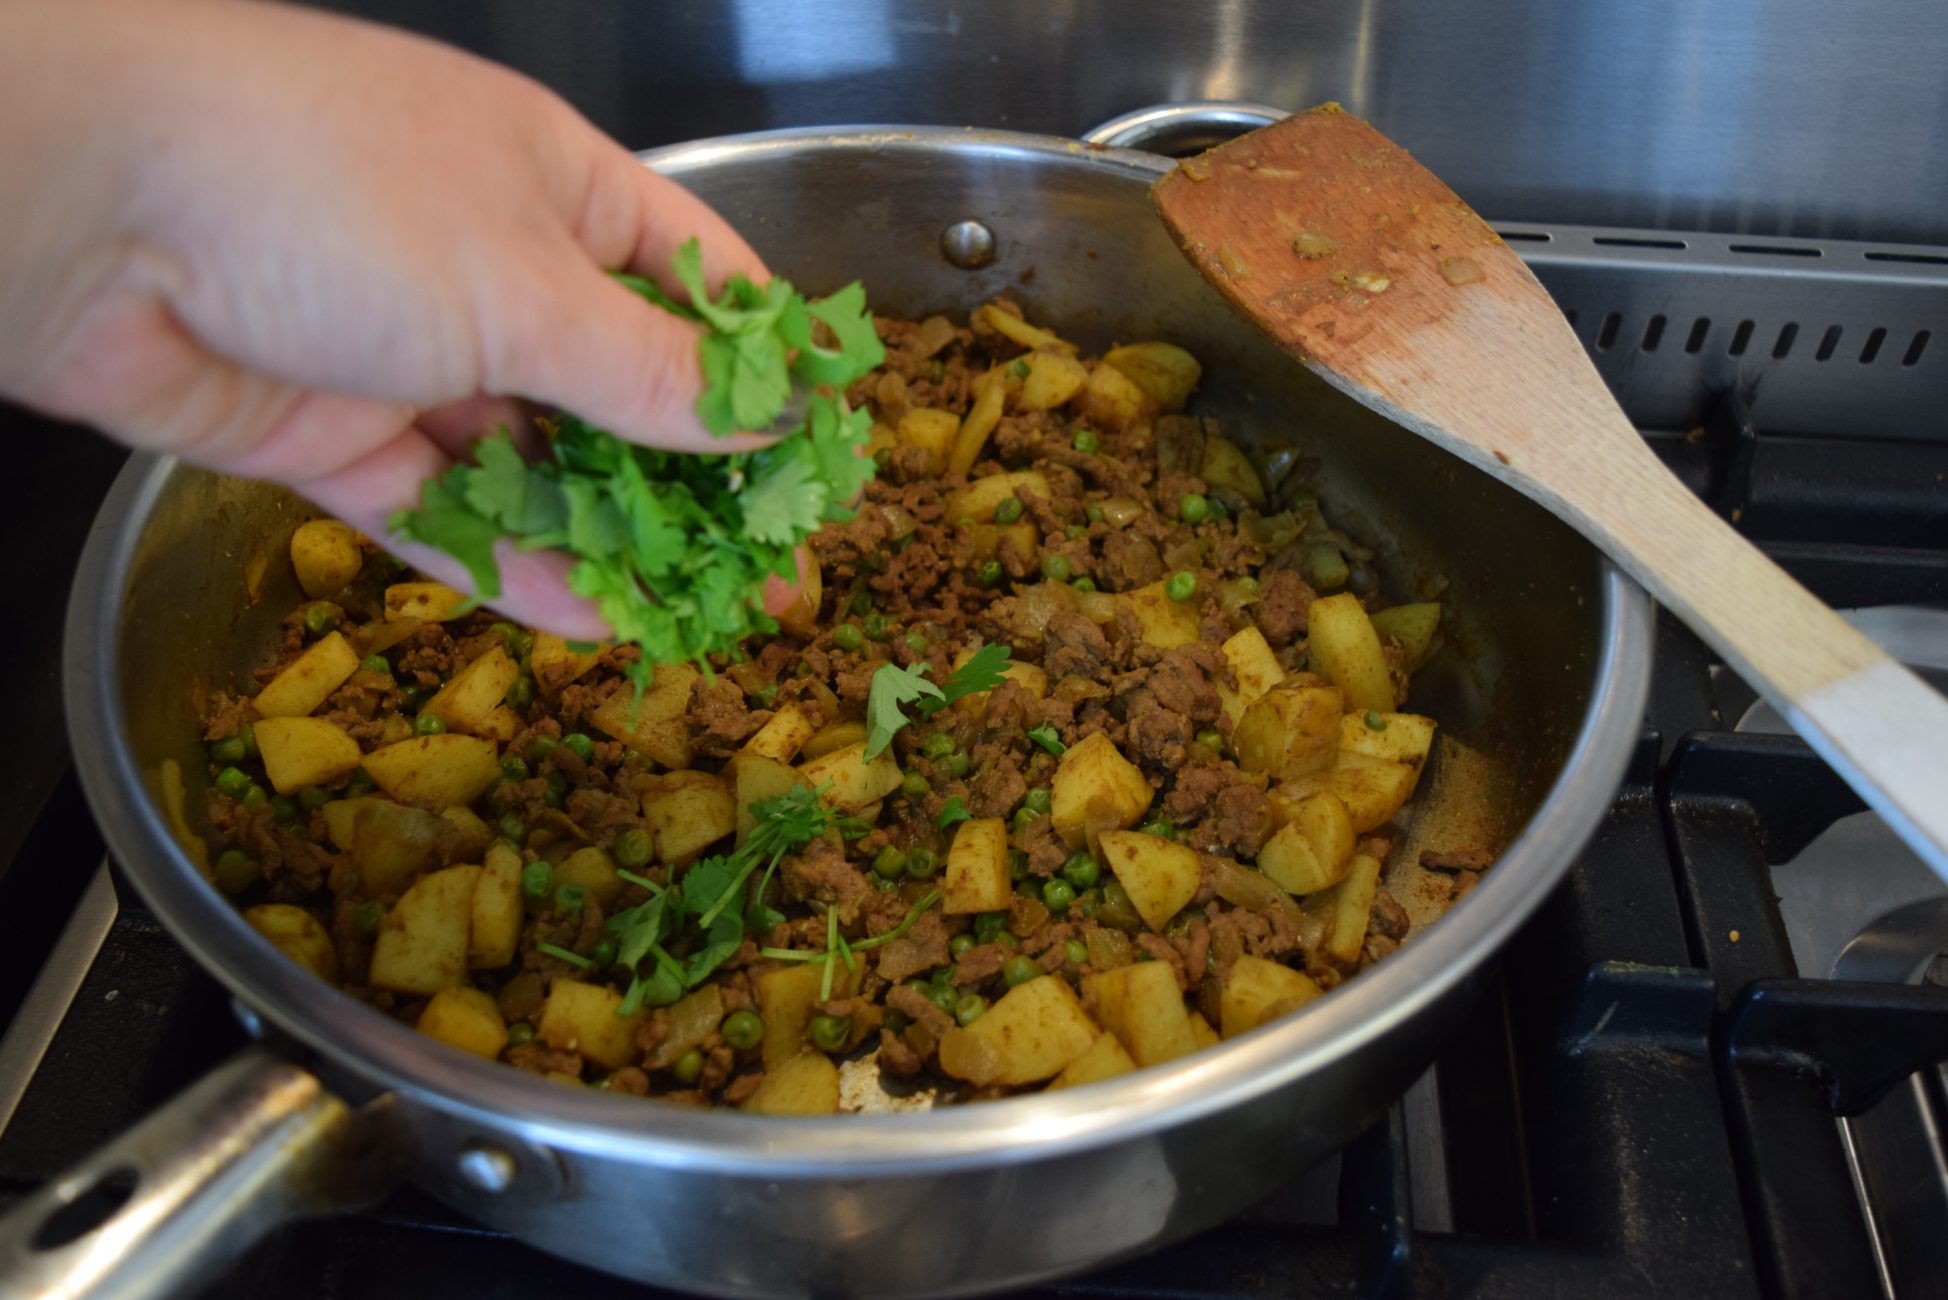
(1882, 728)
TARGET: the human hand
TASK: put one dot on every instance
(295, 247)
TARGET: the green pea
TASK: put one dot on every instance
(578, 744)
(1019, 970)
(376, 664)
(1117, 911)
(847, 636)
(1082, 871)
(742, 1030)
(989, 574)
(1093, 512)
(540, 747)
(1055, 567)
(255, 797)
(957, 764)
(1087, 442)
(1182, 585)
(520, 1033)
(1008, 511)
(232, 781)
(571, 898)
(959, 944)
(411, 697)
(521, 694)
(922, 864)
(882, 458)
(557, 789)
(313, 797)
(913, 785)
(1193, 507)
(830, 1032)
(969, 1008)
(538, 881)
(236, 871)
(1250, 586)
(506, 632)
(284, 809)
(944, 996)
(1057, 895)
(632, 847)
(514, 768)
(688, 1067)
(939, 745)
(1088, 902)
(1076, 951)
(988, 926)
(361, 783)
(889, 863)
(1084, 585)
(1219, 510)
(1017, 865)
(249, 734)
(1375, 722)
(861, 602)
(228, 750)
(366, 919)
(875, 626)
(1024, 818)
(1211, 738)
(1018, 368)
(321, 617)
(897, 1021)
(1159, 828)
(1075, 532)
(882, 885)
(1039, 800)
(429, 724)
(603, 954)
(766, 695)
(917, 643)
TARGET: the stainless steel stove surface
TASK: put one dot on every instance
(1707, 1066)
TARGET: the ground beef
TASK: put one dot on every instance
(981, 962)
(1160, 737)
(1283, 600)
(630, 1081)
(740, 1089)
(919, 1008)
(1164, 951)
(997, 791)
(920, 949)
(897, 1057)
(1129, 561)
(1457, 860)
(1389, 918)
(1074, 645)
(819, 874)
(537, 1057)
(1182, 681)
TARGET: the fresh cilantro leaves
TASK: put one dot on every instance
(1048, 738)
(675, 548)
(953, 811)
(893, 687)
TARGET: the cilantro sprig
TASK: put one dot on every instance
(674, 548)
(894, 687)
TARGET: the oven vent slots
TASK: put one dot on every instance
(1740, 338)
(1775, 250)
(1639, 241)
(1828, 341)
(1606, 333)
(1915, 349)
(1526, 236)
(1872, 346)
(1913, 259)
(1787, 333)
(1700, 328)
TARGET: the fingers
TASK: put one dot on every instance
(634, 219)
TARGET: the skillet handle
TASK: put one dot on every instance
(254, 1144)
(1185, 128)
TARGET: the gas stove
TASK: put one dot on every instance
(1709, 1064)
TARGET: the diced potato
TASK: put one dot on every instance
(756, 777)
(1036, 1029)
(692, 1019)
(1054, 376)
(977, 869)
(658, 727)
(1413, 626)
(1096, 787)
(800, 618)
(555, 665)
(1313, 850)
(1141, 1005)
(435, 771)
(391, 844)
(931, 429)
(1352, 906)
(1160, 875)
(1290, 731)
(1161, 621)
(422, 942)
(326, 556)
(1256, 668)
(1373, 789)
(496, 932)
(803, 1085)
(832, 736)
(340, 818)
(467, 1019)
(989, 401)
(785, 1000)
(1400, 737)
(1163, 370)
(428, 602)
(966, 1057)
(594, 870)
(854, 781)
(1254, 987)
(1227, 467)
(688, 812)
(1345, 650)
(501, 723)
(988, 539)
(580, 1017)
(1016, 330)
(1106, 1058)
(307, 680)
(1114, 400)
(470, 835)
(783, 735)
(298, 935)
(978, 499)
(474, 692)
(304, 751)
(1201, 1032)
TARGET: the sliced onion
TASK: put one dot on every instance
(1268, 531)
(1239, 884)
(933, 334)
(1037, 604)
(1121, 512)
(899, 523)
(1097, 606)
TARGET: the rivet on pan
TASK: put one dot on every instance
(967, 244)
(487, 1168)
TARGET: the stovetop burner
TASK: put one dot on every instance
(1706, 1065)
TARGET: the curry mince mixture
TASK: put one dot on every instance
(1144, 751)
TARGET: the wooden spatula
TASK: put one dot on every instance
(1372, 272)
